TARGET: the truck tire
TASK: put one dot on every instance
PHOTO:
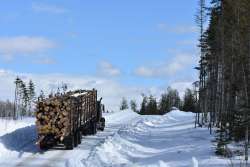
(69, 142)
(93, 128)
(87, 130)
(43, 146)
(75, 139)
(102, 123)
(79, 137)
(84, 132)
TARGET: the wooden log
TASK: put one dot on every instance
(53, 114)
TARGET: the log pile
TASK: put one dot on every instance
(53, 116)
(58, 114)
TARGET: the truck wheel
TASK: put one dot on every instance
(69, 142)
(79, 137)
(43, 146)
(102, 122)
(84, 132)
(76, 139)
(93, 128)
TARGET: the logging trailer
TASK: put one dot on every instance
(63, 119)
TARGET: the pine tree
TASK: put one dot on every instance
(31, 95)
(24, 99)
(200, 21)
(41, 97)
(64, 87)
(124, 104)
(169, 100)
(133, 105)
(144, 104)
(16, 105)
(225, 70)
(18, 97)
(152, 106)
(164, 105)
(189, 101)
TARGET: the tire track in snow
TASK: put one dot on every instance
(116, 128)
(52, 158)
(68, 158)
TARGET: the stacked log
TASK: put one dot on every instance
(57, 115)
(53, 116)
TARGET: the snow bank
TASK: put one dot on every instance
(180, 115)
(120, 116)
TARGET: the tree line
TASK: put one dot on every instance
(224, 67)
(6, 109)
(25, 98)
(23, 101)
(168, 101)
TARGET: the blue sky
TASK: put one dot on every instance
(142, 43)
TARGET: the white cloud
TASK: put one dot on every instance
(180, 29)
(146, 71)
(107, 69)
(177, 64)
(45, 61)
(38, 7)
(23, 45)
(4, 72)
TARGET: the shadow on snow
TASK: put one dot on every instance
(21, 140)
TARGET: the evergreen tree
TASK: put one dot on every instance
(41, 97)
(176, 98)
(224, 70)
(189, 101)
(144, 104)
(64, 87)
(173, 97)
(19, 100)
(16, 103)
(169, 100)
(6, 109)
(31, 95)
(152, 106)
(24, 99)
(124, 104)
(133, 105)
(200, 21)
(164, 105)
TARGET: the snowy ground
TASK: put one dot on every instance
(129, 140)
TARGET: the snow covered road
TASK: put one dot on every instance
(129, 140)
(158, 141)
(18, 145)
